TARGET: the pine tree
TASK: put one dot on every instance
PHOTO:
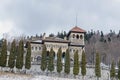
(59, 62)
(11, 62)
(112, 71)
(28, 56)
(83, 64)
(76, 64)
(102, 37)
(119, 69)
(19, 60)
(44, 59)
(51, 61)
(3, 58)
(67, 62)
(97, 66)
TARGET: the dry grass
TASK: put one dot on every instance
(15, 74)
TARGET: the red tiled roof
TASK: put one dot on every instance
(77, 29)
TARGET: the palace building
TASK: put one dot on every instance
(73, 41)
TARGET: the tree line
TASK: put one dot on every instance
(16, 55)
(107, 44)
(48, 63)
(16, 59)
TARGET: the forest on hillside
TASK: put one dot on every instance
(108, 45)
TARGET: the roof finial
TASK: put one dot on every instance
(76, 17)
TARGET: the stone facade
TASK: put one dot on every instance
(73, 42)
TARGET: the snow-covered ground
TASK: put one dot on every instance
(36, 74)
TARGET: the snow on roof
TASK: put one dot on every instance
(37, 41)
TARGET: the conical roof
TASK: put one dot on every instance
(77, 29)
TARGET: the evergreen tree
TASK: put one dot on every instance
(118, 35)
(76, 64)
(28, 56)
(59, 60)
(3, 59)
(51, 61)
(97, 66)
(119, 69)
(112, 71)
(65, 34)
(1, 41)
(62, 35)
(83, 64)
(11, 62)
(67, 62)
(19, 60)
(91, 33)
(109, 39)
(58, 34)
(44, 59)
(102, 37)
(51, 35)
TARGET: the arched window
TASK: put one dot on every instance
(81, 37)
(77, 36)
(73, 50)
(39, 48)
(38, 58)
(73, 35)
(63, 54)
(35, 48)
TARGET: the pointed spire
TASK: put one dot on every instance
(76, 18)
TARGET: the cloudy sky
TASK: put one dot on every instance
(32, 17)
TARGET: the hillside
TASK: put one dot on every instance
(108, 45)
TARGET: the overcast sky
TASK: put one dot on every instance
(32, 17)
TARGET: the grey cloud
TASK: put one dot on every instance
(38, 16)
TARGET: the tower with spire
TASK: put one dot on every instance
(77, 41)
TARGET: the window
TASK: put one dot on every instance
(35, 48)
(39, 48)
(73, 35)
(77, 36)
(63, 54)
(74, 50)
(81, 37)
